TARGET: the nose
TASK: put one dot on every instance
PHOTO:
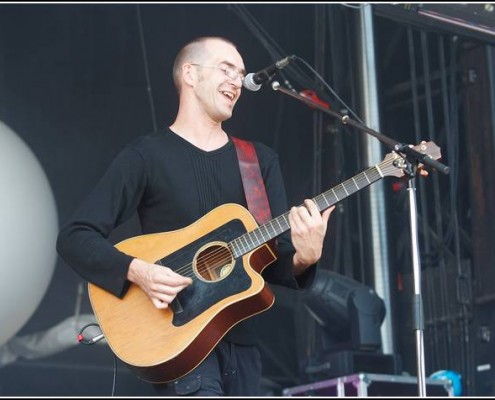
(238, 82)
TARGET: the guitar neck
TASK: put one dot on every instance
(271, 229)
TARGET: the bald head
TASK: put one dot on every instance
(195, 52)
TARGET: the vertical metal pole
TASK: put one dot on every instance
(417, 301)
(373, 154)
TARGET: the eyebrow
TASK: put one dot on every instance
(242, 71)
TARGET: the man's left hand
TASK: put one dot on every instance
(308, 229)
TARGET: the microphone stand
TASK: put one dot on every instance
(412, 159)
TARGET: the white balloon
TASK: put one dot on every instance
(28, 231)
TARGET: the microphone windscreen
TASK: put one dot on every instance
(249, 84)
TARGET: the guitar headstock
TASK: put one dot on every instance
(393, 164)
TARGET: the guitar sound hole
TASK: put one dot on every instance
(213, 262)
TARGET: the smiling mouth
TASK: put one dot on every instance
(229, 95)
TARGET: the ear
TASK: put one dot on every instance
(188, 74)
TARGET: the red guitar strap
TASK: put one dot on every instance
(254, 188)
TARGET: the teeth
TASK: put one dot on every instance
(229, 95)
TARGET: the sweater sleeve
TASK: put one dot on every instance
(281, 272)
(83, 241)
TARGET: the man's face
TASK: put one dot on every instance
(219, 80)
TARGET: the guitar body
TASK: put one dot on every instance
(163, 345)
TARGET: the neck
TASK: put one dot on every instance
(197, 126)
(207, 137)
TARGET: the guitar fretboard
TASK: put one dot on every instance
(271, 229)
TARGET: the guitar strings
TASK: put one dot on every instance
(218, 256)
(213, 256)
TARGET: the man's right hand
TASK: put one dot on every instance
(160, 283)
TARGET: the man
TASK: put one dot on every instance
(174, 177)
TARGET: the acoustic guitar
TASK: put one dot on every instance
(224, 252)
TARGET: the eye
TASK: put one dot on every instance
(231, 73)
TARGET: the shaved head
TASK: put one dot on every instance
(193, 52)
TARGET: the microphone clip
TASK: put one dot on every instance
(254, 81)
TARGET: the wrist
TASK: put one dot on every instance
(300, 265)
(135, 270)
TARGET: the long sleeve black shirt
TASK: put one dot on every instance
(170, 183)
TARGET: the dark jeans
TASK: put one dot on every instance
(229, 370)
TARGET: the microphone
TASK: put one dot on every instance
(253, 81)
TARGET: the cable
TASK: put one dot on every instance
(146, 68)
(93, 340)
(275, 51)
(114, 374)
(356, 7)
(96, 339)
(330, 89)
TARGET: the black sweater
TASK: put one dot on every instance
(171, 184)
